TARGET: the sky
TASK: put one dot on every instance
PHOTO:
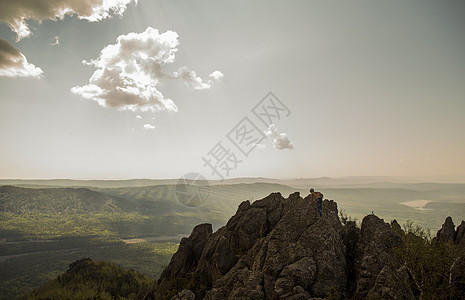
(118, 89)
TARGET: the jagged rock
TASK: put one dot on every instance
(294, 279)
(460, 234)
(391, 284)
(277, 248)
(447, 232)
(375, 258)
(185, 260)
(395, 226)
(184, 295)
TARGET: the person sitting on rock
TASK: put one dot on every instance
(318, 197)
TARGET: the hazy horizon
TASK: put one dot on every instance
(130, 89)
(450, 178)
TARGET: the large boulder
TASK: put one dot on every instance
(377, 270)
(447, 232)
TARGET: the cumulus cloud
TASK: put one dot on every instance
(14, 64)
(280, 140)
(149, 127)
(195, 82)
(129, 72)
(16, 13)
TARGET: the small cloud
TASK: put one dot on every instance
(259, 146)
(280, 140)
(56, 41)
(216, 76)
(129, 72)
(149, 127)
(195, 82)
(139, 117)
(14, 64)
(427, 160)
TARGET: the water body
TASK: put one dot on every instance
(417, 204)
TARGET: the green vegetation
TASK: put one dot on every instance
(43, 229)
(446, 200)
(45, 260)
(41, 226)
(87, 279)
(427, 260)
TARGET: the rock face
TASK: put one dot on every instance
(186, 259)
(379, 274)
(447, 232)
(460, 234)
(278, 248)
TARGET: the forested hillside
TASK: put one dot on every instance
(58, 201)
(87, 279)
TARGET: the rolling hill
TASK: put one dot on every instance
(59, 200)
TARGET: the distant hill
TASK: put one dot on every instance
(87, 279)
(222, 198)
(86, 183)
(121, 212)
(300, 183)
(58, 200)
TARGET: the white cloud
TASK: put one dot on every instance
(195, 82)
(129, 72)
(149, 126)
(14, 64)
(56, 41)
(16, 13)
(139, 117)
(280, 140)
(258, 146)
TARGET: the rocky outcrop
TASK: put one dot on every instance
(378, 272)
(186, 259)
(302, 256)
(184, 295)
(460, 234)
(280, 248)
(447, 232)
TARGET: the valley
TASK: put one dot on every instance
(45, 228)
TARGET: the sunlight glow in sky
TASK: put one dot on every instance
(114, 89)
